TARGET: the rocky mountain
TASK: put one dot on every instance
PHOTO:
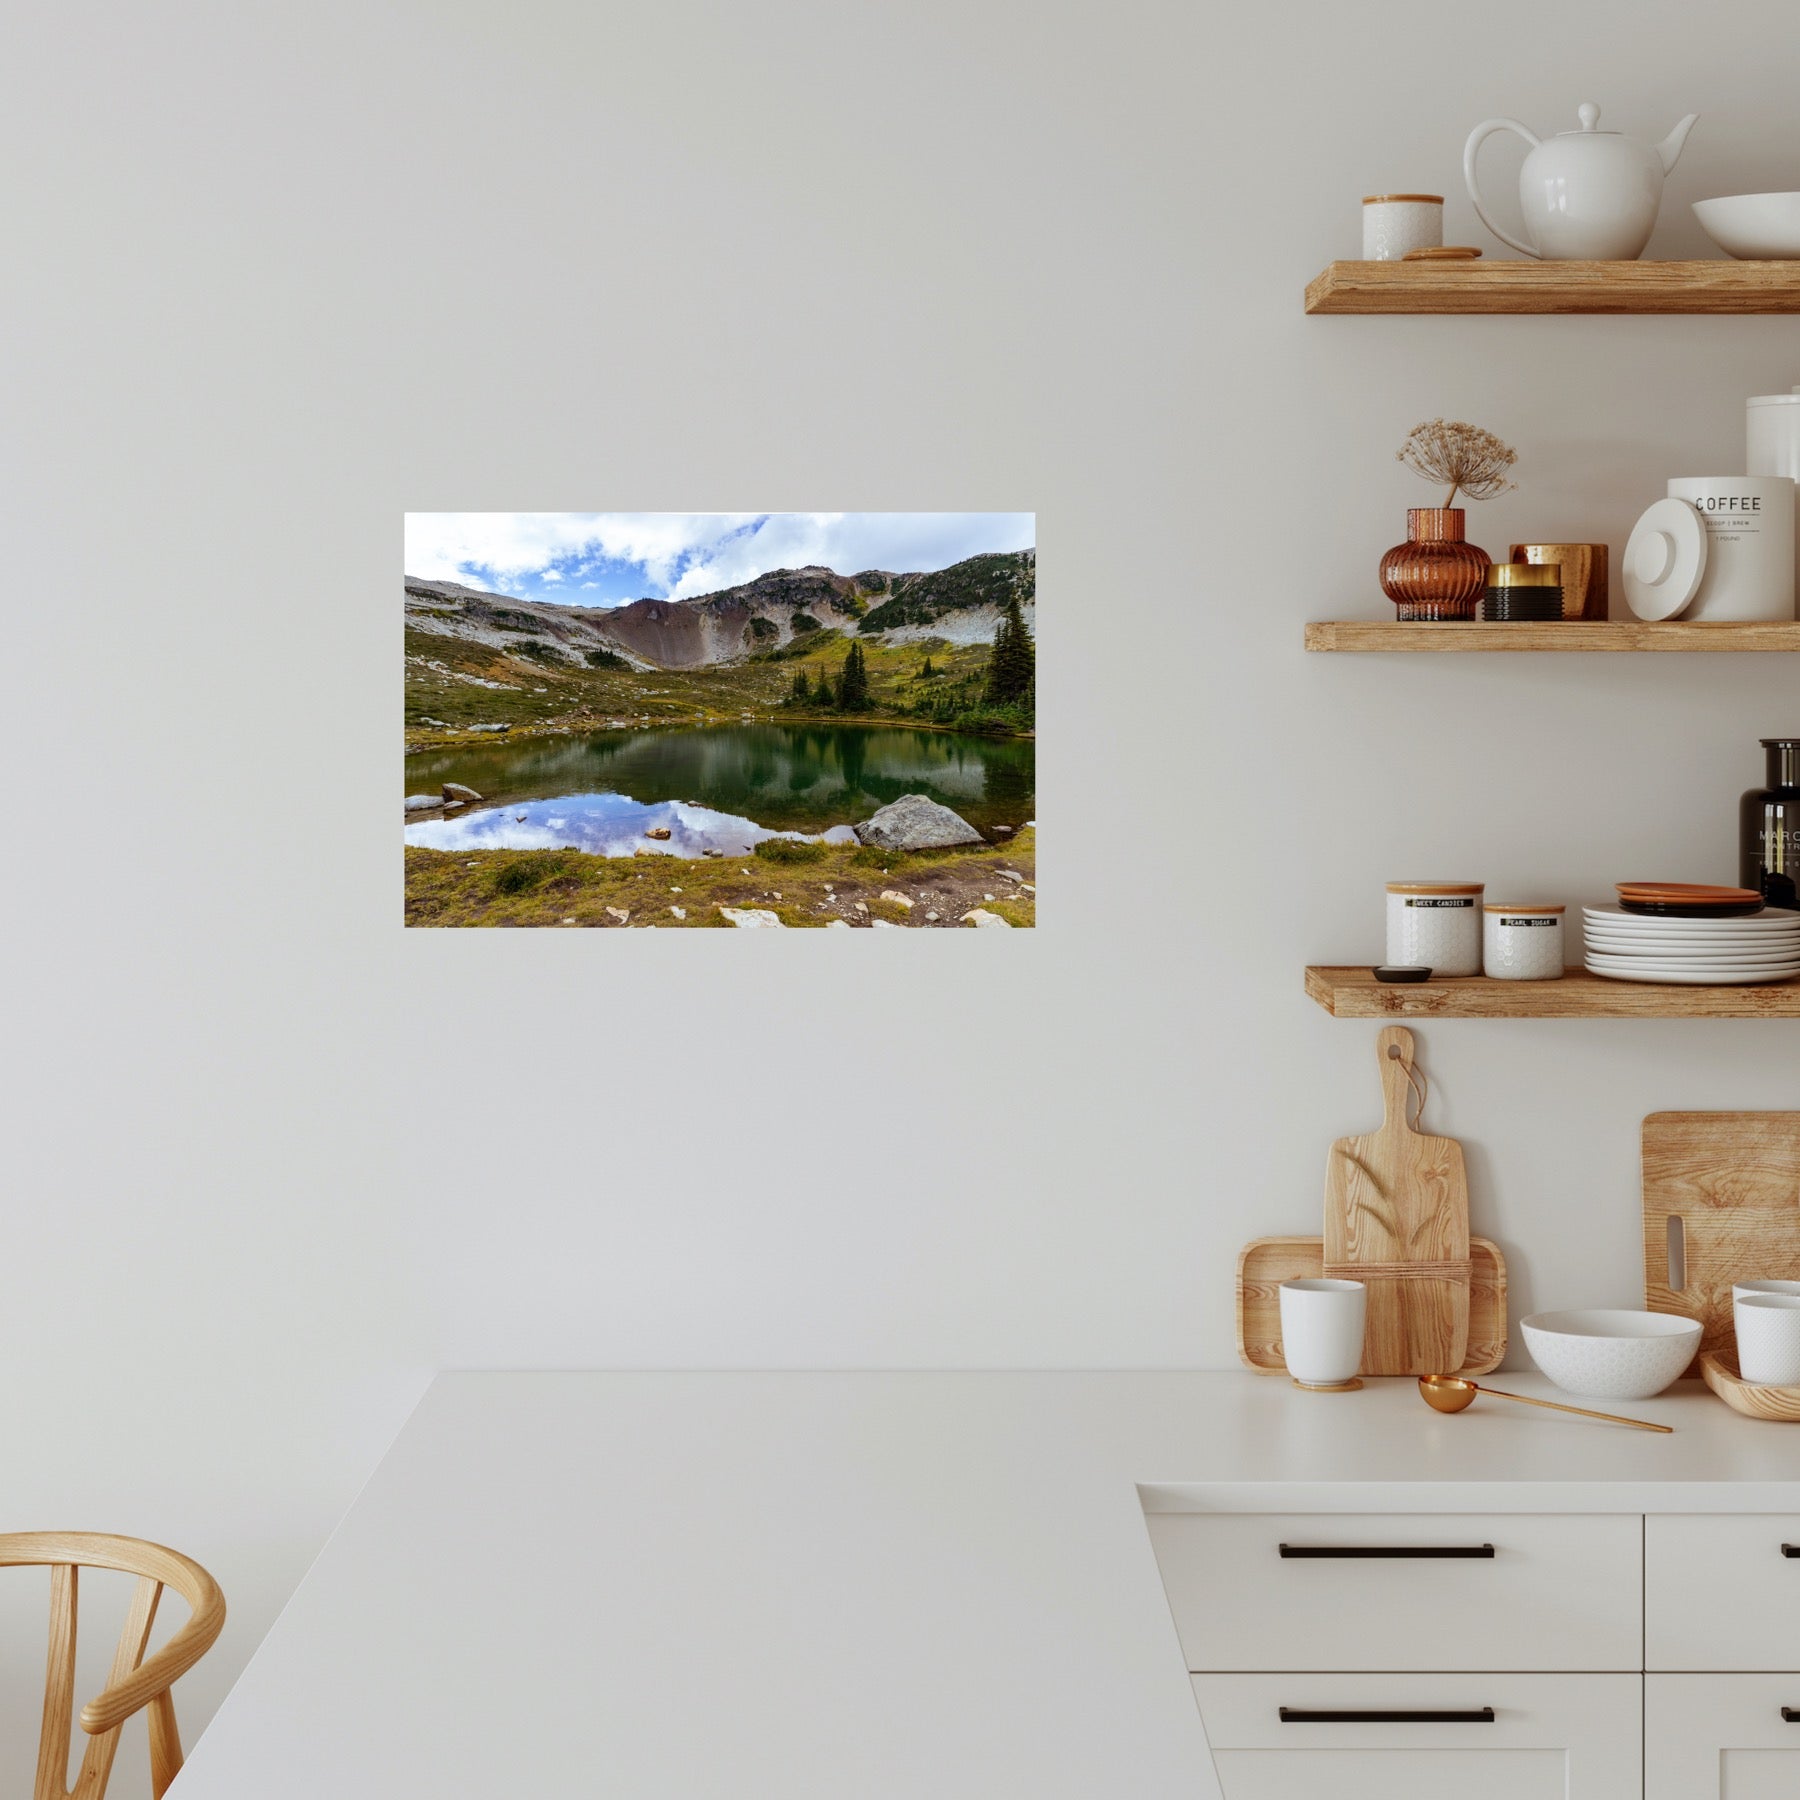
(961, 603)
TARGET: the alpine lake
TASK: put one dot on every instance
(716, 789)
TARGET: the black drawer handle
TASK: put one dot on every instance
(1790, 1549)
(1791, 1714)
(1433, 1550)
(1301, 1715)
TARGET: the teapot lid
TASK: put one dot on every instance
(1589, 115)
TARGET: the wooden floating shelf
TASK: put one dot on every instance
(1354, 993)
(1573, 634)
(1481, 286)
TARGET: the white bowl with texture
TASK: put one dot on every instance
(1753, 227)
(1609, 1354)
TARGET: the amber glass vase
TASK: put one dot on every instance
(1434, 574)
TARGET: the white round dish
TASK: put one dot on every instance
(1685, 950)
(1753, 925)
(1756, 926)
(1753, 227)
(1725, 939)
(1611, 1354)
(1700, 949)
(1770, 918)
(1701, 959)
(1684, 975)
(1740, 1288)
(1779, 965)
(1665, 559)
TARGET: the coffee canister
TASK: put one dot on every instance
(1393, 224)
(1435, 925)
(1749, 522)
(1772, 434)
(1522, 943)
(1772, 443)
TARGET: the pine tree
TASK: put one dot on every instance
(801, 692)
(927, 671)
(1012, 667)
(853, 684)
(823, 692)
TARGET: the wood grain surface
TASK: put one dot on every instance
(1409, 637)
(1354, 993)
(1779, 1405)
(1265, 1263)
(1507, 286)
(1397, 1211)
(1732, 1182)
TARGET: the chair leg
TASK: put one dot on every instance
(165, 1744)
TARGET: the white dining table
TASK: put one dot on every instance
(843, 1586)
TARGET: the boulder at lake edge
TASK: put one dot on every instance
(915, 823)
(454, 790)
(752, 918)
(421, 802)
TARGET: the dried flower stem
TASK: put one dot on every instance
(1473, 461)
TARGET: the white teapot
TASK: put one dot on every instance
(1587, 194)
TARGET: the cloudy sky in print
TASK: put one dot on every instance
(606, 559)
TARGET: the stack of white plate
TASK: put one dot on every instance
(1701, 952)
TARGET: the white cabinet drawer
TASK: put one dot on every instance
(1720, 1594)
(1721, 1737)
(1501, 1737)
(1404, 1591)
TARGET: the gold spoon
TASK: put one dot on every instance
(1452, 1394)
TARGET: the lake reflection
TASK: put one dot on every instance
(723, 787)
(602, 825)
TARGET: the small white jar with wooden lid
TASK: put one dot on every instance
(1522, 943)
(1435, 925)
(1395, 224)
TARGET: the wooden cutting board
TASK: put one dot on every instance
(1721, 1204)
(1397, 1218)
(1266, 1263)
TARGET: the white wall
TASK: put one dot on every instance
(277, 275)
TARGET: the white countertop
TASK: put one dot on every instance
(850, 1586)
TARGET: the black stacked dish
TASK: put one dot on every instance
(1522, 593)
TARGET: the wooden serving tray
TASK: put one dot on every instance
(1267, 1262)
(1721, 1205)
(1719, 1370)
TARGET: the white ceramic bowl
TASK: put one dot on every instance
(1753, 227)
(1611, 1355)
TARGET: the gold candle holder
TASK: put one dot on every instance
(1584, 581)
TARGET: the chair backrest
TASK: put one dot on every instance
(134, 1681)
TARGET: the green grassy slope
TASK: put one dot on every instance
(538, 695)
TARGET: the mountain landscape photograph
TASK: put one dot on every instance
(682, 720)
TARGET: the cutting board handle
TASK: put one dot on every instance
(1394, 1050)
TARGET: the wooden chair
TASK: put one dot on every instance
(134, 1683)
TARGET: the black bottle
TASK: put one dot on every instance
(1769, 827)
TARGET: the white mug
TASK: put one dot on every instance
(1741, 1288)
(1768, 1339)
(1322, 1330)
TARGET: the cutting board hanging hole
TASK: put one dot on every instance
(1416, 1079)
(1677, 1248)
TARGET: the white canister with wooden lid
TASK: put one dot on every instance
(1396, 224)
(1435, 925)
(1522, 943)
(1772, 444)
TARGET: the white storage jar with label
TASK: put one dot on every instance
(1435, 925)
(1522, 943)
